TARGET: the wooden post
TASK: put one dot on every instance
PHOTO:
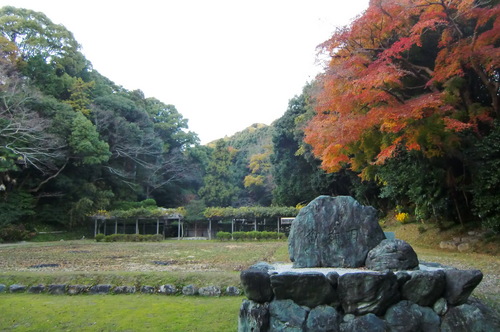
(157, 226)
(137, 226)
(178, 229)
(210, 229)
(232, 228)
(255, 224)
(95, 227)
(116, 226)
(278, 225)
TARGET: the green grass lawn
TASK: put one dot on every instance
(26, 312)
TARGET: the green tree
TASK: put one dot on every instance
(218, 189)
(85, 143)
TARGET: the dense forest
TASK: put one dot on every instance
(404, 117)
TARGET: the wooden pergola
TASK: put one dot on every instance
(102, 221)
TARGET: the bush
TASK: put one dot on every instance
(131, 238)
(99, 237)
(250, 236)
(13, 233)
(223, 236)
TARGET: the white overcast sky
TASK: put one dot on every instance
(224, 64)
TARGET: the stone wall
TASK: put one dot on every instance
(102, 289)
(429, 299)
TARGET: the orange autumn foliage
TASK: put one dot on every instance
(390, 70)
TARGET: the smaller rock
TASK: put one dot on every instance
(147, 289)
(402, 277)
(467, 318)
(2, 288)
(167, 289)
(309, 288)
(253, 317)
(333, 278)
(233, 291)
(77, 289)
(441, 307)
(209, 291)
(424, 287)
(100, 289)
(36, 289)
(407, 316)
(394, 255)
(190, 290)
(124, 290)
(460, 284)
(256, 284)
(323, 319)
(372, 292)
(366, 323)
(463, 247)
(285, 315)
(17, 288)
(57, 289)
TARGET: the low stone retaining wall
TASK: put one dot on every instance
(429, 299)
(61, 289)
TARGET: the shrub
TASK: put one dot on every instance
(223, 236)
(13, 233)
(99, 237)
(403, 217)
(238, 236)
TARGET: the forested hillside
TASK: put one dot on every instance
(404, 117)
(71, 141)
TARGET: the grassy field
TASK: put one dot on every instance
(202, 263)
(26, 312)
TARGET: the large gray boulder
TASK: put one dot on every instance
(310, 289)
(333, 232)
(424, 287)
(460, 284)
(394, 255)
(323, 319)
(285, 315)
(253, 317)
(363, 293)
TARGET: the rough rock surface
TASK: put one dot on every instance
(253, 317)
(363, 293)
(460, 284)
(100, 289)
(36, 289)
(124, 290)
(209, 291)
(424, 287)
(467, 318)
(323, 319)
(365, 323)
(256, 285)
(333, 232)
(56, 289)
(407, 316)
(145, 289)
(167, 289)
(2, 288)
(190, 290)
(394, 255)
(17, 288)
(77, 289)
(285, 315)
(310, 289)
(233, 291)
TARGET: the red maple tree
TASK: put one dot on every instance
(407, 73)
